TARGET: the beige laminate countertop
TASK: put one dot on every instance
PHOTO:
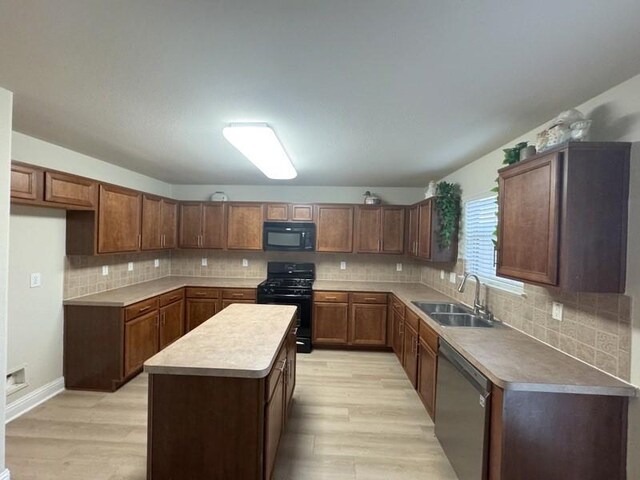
(241, 341)
(508, 357)
(121, 297)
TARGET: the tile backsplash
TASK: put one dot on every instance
(596, 328)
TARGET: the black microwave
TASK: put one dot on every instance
(289, 237)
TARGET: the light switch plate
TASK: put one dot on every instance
(105, 270)
(204, 262)
(156, 262)
(36, 280)
(398, 267)
(245, 262)
(441, 274)
(130, 267)
(453, 277)
(343, 265)
(556, 311)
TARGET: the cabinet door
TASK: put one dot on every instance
(171, 323)
(398, 337)
(190, 230)
(331, 323)
(528, 222)
(244, 226)
(411, 353)
(412, 243)
(118, 220)
(169, 224)
(292, 348)
(427, 371)
(368, 324)
(368, 229)
(392, 230)
(302, 213)
(424, 230)
(140, 341)
(151, 223)
(334, 228)
(277, 212)
(199, 311)
(274, 422)
(26, 183)
(213, 226)
(69, 190)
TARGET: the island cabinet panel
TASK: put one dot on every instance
(334, 228)
(584, 436)
(563, 218)
(244, 226)
(119, 212)
(26, 182)
(70, 190)
(274, 421)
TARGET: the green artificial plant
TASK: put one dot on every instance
(448, 209)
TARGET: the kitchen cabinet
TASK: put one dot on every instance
(119, 212)
(274, 422)
(425, 227)
(292, 351)
(141, 341)
(379, 229)
(427, 368)
(238, 295)
(423, 231)
(563, 218)
(397, 328)
(350, 319)
(410, 347)
(202, 303)
(171, 323)
(159, 223)
(70, 190)
(287, 212)
(334, 232)
(202, 225)
(244, 226)
(412, 231)
(26, 182)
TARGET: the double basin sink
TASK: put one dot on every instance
(453, 315)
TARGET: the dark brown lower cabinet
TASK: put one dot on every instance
(140, 341)
(227, 302)
(398, 334)
(427, 372)
(199, 310)
(368, 324)
(330, 323)
(274, 424)
(410, 357)
(171, 323)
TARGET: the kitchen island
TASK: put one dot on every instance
(219, 396)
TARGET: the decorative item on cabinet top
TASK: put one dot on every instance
(219, 197)
(371, 198)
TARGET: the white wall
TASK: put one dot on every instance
(616, 116)
(267, 193)
(35, 314)
(6, 108)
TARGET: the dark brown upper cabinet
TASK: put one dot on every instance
(202, 225)
(563, 218)
(244, 226)
(379, 229)
(287, 212)
(423, 231)
(159, 223)
(334, 231)
(119, 216)
(26, 182)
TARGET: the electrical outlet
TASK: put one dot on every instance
(156, 262)
(36, 280)
(245, 262)
(556, 311)
(343, 265)
(105, 270)
(398, 267)
(453, 278)
(441, 274)
(130, 267)
(204, 262)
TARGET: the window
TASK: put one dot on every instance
(480, 220)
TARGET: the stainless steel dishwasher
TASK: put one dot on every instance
(462, 413)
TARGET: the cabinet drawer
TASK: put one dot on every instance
(140, 308)
(202, 292)
(171, 297)
(276, 371)
(397, 305)
(429, 336)
(369, 297)
(239, 294)
(337, 297)
(412, 319)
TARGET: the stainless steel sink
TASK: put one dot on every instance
(434, 307)
(452, 315)
(460, 320)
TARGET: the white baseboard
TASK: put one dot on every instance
(32, 400)
(6, 475)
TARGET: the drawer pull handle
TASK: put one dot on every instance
(237, 294)
(330, 298)
(144, 308)
(175, 297)
(201, 293)
(369, 299)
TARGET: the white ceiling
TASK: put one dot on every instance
(361, 92)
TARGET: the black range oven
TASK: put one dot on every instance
(291, 284)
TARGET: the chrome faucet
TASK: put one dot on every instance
(478, 308)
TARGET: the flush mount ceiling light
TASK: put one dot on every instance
(259, 143)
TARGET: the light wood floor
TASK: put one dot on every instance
(355, 417)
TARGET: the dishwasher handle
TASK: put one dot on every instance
(471, 373)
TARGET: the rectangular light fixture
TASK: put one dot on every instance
(259, 143)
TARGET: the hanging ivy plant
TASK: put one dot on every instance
(448, 209)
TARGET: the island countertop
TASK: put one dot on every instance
(241, 341)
